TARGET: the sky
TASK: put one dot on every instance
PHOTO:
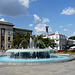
(59, 15)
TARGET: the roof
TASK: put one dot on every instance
(58, 34)
(54, 34)
(11, 24)
(6, 23)
(21, 29)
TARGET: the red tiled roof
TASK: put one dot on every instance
(52, 34)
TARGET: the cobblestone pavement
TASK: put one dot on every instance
(66, 68)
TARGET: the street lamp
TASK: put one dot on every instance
(47, 30)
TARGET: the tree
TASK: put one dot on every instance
(44, 42)
(72, 37)
(21, 40)
(48, 42)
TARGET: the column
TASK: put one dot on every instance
(0, 38)
(58, 47)
(6, 39)
(11, 37)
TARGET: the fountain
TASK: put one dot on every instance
(31, 43)
(31, 54)
(22, 42)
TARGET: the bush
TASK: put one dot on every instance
(61, 50)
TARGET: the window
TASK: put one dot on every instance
(8, 45)
(56, 36)
(13, 33)
(8, 38)
(2, 31)
(2, 38)
(9, 32)
(2, 46)
(56, 40)
(52, 37)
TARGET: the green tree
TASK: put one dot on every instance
(21, 40)
(72, 37)
(47, 42)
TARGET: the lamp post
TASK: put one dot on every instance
(47, 30)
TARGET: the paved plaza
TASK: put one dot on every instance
(63, 68)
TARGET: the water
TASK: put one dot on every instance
(53, 58)
(28, 53)
(22, 42)
(31, 54)
(31, 43)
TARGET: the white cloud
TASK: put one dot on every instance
(31, 25)
(36, 18)
(25, 3)
(2, 19)
(69, 25)
(40, 25)
(68, 11)
(73, 34)
(40, 29)
(13, 7)
(33, 0)
(66, 30)
(45, 20)
(60, 26)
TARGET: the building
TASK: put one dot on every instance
(70, 42)
(6, 34)
(60, 40)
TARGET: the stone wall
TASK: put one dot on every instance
(6, 35)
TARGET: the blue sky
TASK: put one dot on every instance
(59, 15)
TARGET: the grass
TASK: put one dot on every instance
(65, 52)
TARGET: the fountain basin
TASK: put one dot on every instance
(28, 53)
(53, 58)
(31, 55)
(28, 50)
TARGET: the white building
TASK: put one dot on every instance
(60, 40)
(70, 42)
